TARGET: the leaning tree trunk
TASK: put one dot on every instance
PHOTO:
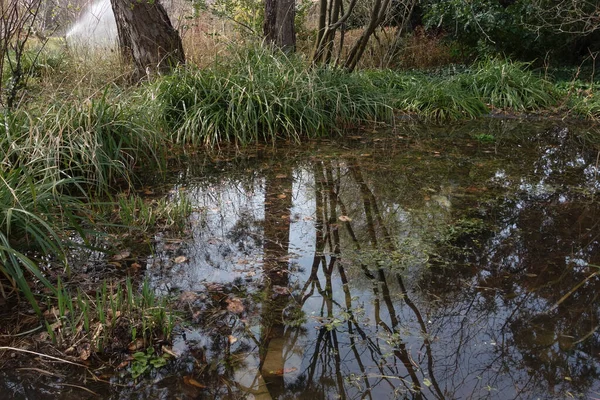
(146, 36)
(278, 27)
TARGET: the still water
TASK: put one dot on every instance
(452, 262)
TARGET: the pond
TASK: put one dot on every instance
(421, 262)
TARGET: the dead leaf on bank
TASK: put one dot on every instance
(345, 218)
(188, 380)
(121, 256)
(169, 351)
(282, 196)
(180, 259)
(137, 345)
(85, 351)
(234, 305)
(281, 176)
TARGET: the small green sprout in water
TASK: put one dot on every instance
(485, 138)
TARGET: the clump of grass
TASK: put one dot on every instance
(587, 106)
(260, 96)
(118, 315)
(34, 215)
(99, 141)
(143, 215)
(509, 85)
(428, 97)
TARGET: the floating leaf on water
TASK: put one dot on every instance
(280, 289)
(180, 259)
(188, 380)
(426, 382)
(345, 218)
(235, 305)
(232, 339)
(284, 371)
(188, 297)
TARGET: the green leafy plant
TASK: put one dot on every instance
(145, 361)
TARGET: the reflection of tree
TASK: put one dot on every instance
(276, 230)
(499, 314)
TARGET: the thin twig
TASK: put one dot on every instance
(79, 387)
(41, 355)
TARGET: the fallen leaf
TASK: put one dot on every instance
(280, 289)
(282, 196)
(180, 259)
(188, 297)
(136, 265)
(235, 305)
(169, 351)
(232, 339)
(188, 380)
(85, 351)
(345, 218)
(137, 345)
(280, 176)
(426, 382)
(284, 371)
(121, 256)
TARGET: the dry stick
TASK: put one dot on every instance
(41, 355)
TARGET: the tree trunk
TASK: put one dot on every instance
(279, 27)
(147, 37)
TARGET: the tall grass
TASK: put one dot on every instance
(34, 216)
(261, 96)
(98, 141)
(510, 85)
